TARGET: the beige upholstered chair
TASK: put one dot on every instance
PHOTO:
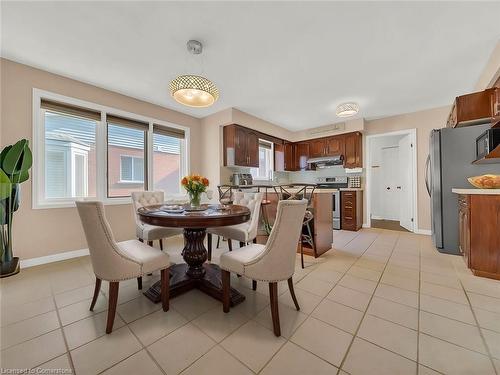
(245, 232)
(272, 262)
(117, 261)
(146, 232)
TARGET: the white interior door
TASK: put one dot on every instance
(406, 185)
(390, 179)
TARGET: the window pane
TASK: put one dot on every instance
(124, 146)
(167, 163)
(70, 162)
(265, 164)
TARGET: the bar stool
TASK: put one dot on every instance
(305, 191)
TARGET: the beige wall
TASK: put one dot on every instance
(424, 122)
(49, 231)
(491, 71)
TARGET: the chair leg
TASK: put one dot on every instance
(292, 292)
(301, 254)
(230, 244)
(96, 292)
(209, 243)
(113, 298)
(150, 243)
(242, 244)
(273, 295)
(226, 288)
(255, 240)
(165, 288)
(141, 240)
(161, 244)
(218, 241)
(254, 285)
(139, 283)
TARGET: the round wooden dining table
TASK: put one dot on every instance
(196, 272)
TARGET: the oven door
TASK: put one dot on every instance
(336, 210)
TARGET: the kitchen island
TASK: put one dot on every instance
(479, 223)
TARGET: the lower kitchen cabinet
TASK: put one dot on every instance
(351, 213)
(479, 223)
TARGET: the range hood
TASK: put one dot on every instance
(327, 161)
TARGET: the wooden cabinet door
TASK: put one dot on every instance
(335, 145)
(352, 153)
(279, 157)
(252, 149)
(348, 210)
(240, 147)
(289, 157)
(301, 156)
(317, 148)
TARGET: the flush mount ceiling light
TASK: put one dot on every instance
(194, 90)
(347, 109)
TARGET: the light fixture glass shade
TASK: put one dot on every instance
(347, 109)
(194, 91)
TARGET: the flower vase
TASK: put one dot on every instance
(194, 199)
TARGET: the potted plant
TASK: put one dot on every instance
(15, 163)
(195, 185)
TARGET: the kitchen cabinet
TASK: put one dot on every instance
(301, 156)
(475, 108)
(317, 147)
(279, 157)
(351, 212)
(353, 146)
(479, 242)
(241, 146)
(289, 149)
(334, 146)
(495, 122)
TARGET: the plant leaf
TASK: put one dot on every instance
(5, 185)
(3, 153)
(10, 163)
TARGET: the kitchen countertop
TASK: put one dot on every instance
(291, 189)
(351, 189)
(477, 191)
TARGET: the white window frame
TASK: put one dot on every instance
(122, 181)
(271, 161)
(38, 146)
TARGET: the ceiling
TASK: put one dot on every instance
(290, 63)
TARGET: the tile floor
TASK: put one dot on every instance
(382, 302)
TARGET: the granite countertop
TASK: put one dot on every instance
(289, 187)
(351, 189)
(477, 191)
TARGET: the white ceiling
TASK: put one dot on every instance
(290, 63)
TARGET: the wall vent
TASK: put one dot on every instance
(328, 129)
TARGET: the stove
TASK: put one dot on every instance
(331, 182)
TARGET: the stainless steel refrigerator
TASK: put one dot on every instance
(451, 152)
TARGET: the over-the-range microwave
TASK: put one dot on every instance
(487, 142)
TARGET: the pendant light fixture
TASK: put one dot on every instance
(194, 90)
(347, 109)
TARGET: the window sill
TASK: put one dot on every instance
(124, 182)
(71, 204)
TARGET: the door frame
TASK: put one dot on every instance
(414, 185)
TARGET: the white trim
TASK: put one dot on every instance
(367, 162)
(426, 232)
(37, 187)
(54, 258)
(365, 225)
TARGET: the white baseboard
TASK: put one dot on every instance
(25, 263)
(365, 225)
(426, 232)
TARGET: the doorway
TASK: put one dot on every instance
(391, 181)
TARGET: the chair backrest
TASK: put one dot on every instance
(108, 261)
(277, 261)
(252, 201)
(145, 198)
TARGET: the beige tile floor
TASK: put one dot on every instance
(381, 302)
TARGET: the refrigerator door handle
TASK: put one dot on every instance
(427, 167)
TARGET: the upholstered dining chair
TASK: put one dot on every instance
(146, 232)
(245, 232)
(270, 263)
(118, 261)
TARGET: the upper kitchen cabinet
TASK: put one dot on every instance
(279, 157)
(476, 108)
(334, 145)
(317, 147)
(301, 156)
(289, 153)
(241, 146)
(353, 156)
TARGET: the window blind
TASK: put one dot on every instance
(127, 122)
(169, 132)
(67, 109)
